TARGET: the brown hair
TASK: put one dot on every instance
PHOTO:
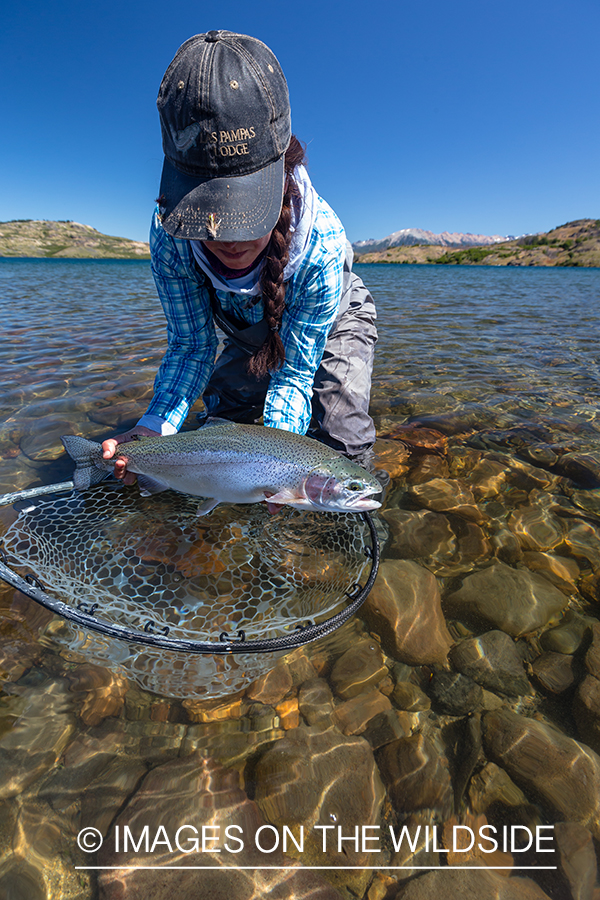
(271, 355)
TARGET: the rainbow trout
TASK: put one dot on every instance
(231, 463)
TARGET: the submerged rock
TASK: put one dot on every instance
(454, 694)
(416, 775)
(353, 716)
(567, 636)
(492, 660)
(196, 792)
(583, 540)
(37, 738)
(555, 672)
(577, 860)
(473, 883)
(358, 670)
(420, 535)
(404, 609)
(560, 570)
(388, 726)
(487, 478)
(536, 528)
(410, 697)
(446, 495)
(514, 600)
(586, 710)
(560, 771)
(493, 785)
(315, 700)
(319, 777)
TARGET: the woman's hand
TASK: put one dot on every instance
(109, 448)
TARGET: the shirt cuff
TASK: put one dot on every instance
(157, 423)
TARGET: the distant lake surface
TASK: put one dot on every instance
(502, 363)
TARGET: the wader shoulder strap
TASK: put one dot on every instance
(250, 338)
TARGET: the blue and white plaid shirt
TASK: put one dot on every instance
(311, 305)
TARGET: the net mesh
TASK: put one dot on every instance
(154, 560)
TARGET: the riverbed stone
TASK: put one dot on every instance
(470, 884)
(513, 600)
(420, 534)
(314, 777)
(567, 636)
(473, 546)
(388, 726)
(358, 669)
(43, 855)
(103, 692)
(493, 661)
(536, 528)
(197, 791)
(272, 686)
(454, 694)
(546, 763)
(586, 710)
(577, 860)
(487, 478)
(493, 785)
(391, 456)
(562, 571)
(37, 738)
(583, 540)
(592, 656)
(404, 608)
(353, 716)
(446, 495)
(410, 697)
(555, 672)
(315, 700)
(425, 468)
(416, 775)
(505, 544)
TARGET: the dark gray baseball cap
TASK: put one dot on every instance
(225, 117)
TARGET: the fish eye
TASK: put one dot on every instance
(355, 485)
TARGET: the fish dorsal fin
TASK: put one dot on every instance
(217, 423)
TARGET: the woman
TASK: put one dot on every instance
(241, 239)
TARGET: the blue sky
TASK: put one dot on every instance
(464, 116)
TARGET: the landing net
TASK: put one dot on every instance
(150, 571)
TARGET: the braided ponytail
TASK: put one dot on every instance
(271, 355)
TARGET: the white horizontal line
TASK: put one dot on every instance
(330, 868)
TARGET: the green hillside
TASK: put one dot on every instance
(67, 240)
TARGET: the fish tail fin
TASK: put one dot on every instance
(86, 455)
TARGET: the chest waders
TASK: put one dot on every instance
(342, 383)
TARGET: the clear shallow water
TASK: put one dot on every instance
(504, 363)
(517, 343)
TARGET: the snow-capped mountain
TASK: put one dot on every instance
(408, 237)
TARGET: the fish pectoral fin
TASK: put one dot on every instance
(287, 496)
(207, 506)
(149, 485)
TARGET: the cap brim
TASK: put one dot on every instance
(222, 209)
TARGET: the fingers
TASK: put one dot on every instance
(109, 447)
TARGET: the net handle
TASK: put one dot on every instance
(84, 616)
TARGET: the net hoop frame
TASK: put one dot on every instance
(155, 635)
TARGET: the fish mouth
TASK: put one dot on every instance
(365, 503)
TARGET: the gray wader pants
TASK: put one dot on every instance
(342, 384)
